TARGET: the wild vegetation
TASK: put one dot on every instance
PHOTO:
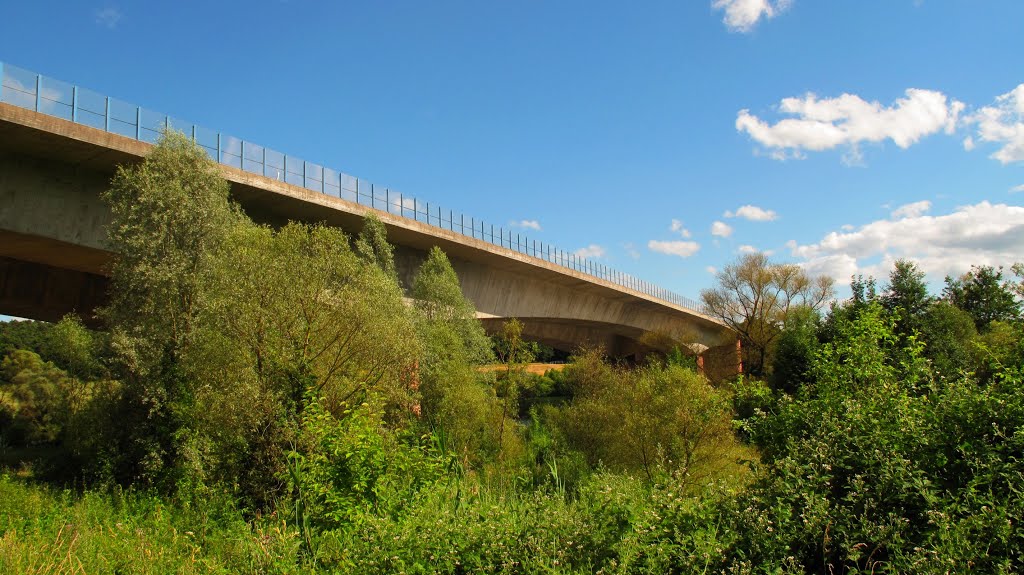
(268, 400)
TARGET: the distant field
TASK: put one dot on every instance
(534, 368)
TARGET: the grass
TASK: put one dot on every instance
(45, 531)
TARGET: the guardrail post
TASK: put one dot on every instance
(39, 91)
(218, 147)
(304, 185)
(106, 115)
(138, 122)
(241, 155)
(1, 81)
(415, 211)
(74, 97)
(264, 157)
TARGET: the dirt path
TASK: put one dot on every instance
(534, 368)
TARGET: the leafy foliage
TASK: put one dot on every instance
(754, 296)
(984, 294)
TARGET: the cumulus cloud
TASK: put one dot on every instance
(591, 251)
(912, 210)
(108, 17)
(743, 15)
(980, 234)
(1016, 189)
(752, 213)
(848, 120)
(711, 270)
(527, 224)
(1003, 124)
(677, 227)
(674, 248)
(721, 229)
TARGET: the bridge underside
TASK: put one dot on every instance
(570, 335)
(53, 240)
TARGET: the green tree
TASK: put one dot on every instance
(754, 296)
(457, 403)
(372, 245)
(949, 336)
(907, 297)
(515, 353)
(795, 349)
(29, 335)
(438, 297)
(984, 294)
(169, 214)
(288, 317)
(653, 420)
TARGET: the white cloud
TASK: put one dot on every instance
(912, 210)
(969, 143)
(711, 270)
(825, 124)
(1002, 123)
(591, 251)
(743, 15)
(981, 234)
(677, 227)
(674, 248)
(845, 228)
(527, 224)
(721, 229)
(752, 213)
(108, 17)
(1016, 189)
(631, 250)
(749, 249)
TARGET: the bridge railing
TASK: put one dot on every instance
(36, 92)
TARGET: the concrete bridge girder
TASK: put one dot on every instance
(52, 173)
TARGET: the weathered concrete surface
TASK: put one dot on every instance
(52, 172)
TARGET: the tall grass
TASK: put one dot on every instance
(48, 531)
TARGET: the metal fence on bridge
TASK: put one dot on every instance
(36, 92)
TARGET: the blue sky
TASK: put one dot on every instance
(663, 139)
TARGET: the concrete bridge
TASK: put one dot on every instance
(53, 249)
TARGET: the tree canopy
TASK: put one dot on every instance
(754, 296)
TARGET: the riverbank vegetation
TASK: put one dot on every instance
(267, 400)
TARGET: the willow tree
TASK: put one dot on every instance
(456, 401)
(169, 213)
(754, 296)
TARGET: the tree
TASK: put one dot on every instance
(754, 296)
(289, 318)
(907, 297)
(437, 295)
(653, 420)
(372, 245)
(794, 352)
(984, 294)
(948, 333)
(456, 402)
(169, 213)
